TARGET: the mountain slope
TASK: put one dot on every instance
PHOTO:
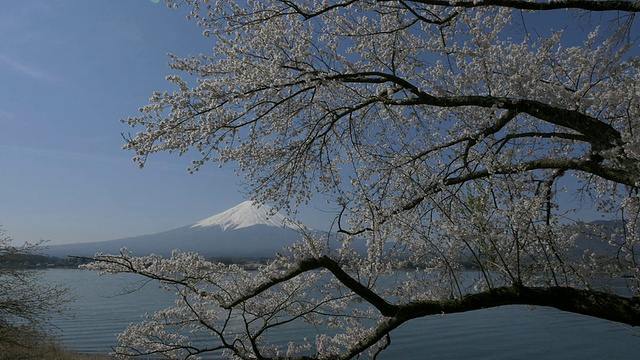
(242, 231)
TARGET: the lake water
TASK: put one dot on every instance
(510, 332)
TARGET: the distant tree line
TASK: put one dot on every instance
(36, 261)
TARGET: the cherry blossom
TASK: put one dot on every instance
(460, 140)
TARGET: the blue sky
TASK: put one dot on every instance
(69, 70)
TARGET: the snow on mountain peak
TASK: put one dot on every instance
(244, 215)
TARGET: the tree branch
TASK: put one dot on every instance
(587, 302)
(597, 5)
(622, 177)
(601, 135)
(598, 133)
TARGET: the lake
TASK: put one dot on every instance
(103, 308)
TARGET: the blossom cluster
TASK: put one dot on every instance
(452, 139)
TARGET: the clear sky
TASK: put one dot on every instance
(69, 70)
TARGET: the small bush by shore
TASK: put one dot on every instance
(23, 344)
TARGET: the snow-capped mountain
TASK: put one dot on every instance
(246, 230)
(244, 215)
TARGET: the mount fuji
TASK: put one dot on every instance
(246, 230)
(246, 215)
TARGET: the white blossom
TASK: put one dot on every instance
(448, 138)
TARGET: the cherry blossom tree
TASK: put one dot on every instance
(460, 139)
